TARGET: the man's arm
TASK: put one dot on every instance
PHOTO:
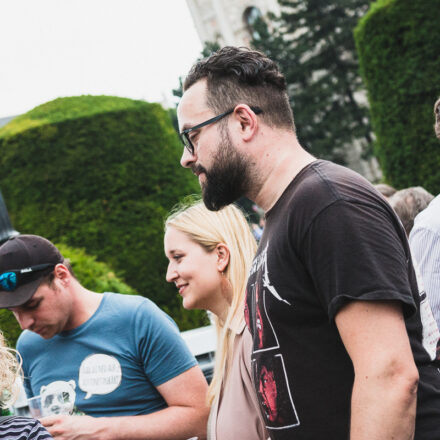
(185, 417)
(425, 248)
(383, 404)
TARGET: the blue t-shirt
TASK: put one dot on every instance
(114, 361)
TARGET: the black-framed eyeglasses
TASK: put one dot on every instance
(184, 135)
(14, 278)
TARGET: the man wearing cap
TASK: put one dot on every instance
(124, 358)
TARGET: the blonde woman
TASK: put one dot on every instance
(15, 428)
(210, 255)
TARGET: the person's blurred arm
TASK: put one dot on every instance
(425, 249)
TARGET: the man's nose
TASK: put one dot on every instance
(24, 319)
(187, 158)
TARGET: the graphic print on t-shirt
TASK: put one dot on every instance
(264, 334)
(268, 369)
(273, 391)
(99, 374)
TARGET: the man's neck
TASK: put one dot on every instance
(278, 166)
(85, 304)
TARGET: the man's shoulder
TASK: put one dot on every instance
(29, 341)
(135, 309)
(123, 299)
(127, 303)
(429, 218)
(321, 184)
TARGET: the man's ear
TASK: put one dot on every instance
(248, 121)
(222, 252)
(62, 274)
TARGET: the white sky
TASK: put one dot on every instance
(131, 48)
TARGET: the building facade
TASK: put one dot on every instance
(228, 22)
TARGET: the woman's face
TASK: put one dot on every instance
(193, 270)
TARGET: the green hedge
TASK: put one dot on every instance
(92, 274)
(398, 42)
(100, 173)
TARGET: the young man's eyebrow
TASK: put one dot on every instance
(31, 302)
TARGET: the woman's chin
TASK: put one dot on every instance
(187, 304)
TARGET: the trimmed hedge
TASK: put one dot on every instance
(100, 173)
(92, 274)
(398, 42)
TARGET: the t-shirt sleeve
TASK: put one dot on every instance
(38, 432)
(163, 352)
(20, 428)
(353, 251)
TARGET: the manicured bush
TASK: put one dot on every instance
(100, 173)
(92, 274)
(398, 42)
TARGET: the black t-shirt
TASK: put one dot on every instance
(331, 238)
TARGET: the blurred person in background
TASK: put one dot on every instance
(15, 427)
(408, 203)
(424, 241)
(210, 255)
(386, 190)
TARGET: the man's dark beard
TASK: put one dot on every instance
(227, 180)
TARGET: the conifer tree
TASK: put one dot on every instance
(313, 43)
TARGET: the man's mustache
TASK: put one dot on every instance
(198, 169)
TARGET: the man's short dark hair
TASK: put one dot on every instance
(237, 75)
(408, 203)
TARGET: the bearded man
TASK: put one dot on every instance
(345, 332)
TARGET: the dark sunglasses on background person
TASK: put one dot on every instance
(14, 278)
(184, 135)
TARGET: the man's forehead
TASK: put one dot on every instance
(193, 105)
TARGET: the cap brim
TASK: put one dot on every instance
(19, 296)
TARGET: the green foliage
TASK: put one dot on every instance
(312, 41)
(103, 179)
(92, 274)
(399, 44)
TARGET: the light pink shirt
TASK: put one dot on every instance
(235, 414)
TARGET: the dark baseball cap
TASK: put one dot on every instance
(24, 261)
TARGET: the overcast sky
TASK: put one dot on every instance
(132, 48)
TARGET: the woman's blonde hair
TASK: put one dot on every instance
(208, 229)
(10, 368)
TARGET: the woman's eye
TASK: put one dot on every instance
(177, 257)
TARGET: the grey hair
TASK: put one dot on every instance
(408, 202)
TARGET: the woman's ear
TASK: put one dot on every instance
(222, 252)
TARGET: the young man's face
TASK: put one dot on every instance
(221, 169)
(46, 313)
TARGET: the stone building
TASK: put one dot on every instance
(228, 22)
